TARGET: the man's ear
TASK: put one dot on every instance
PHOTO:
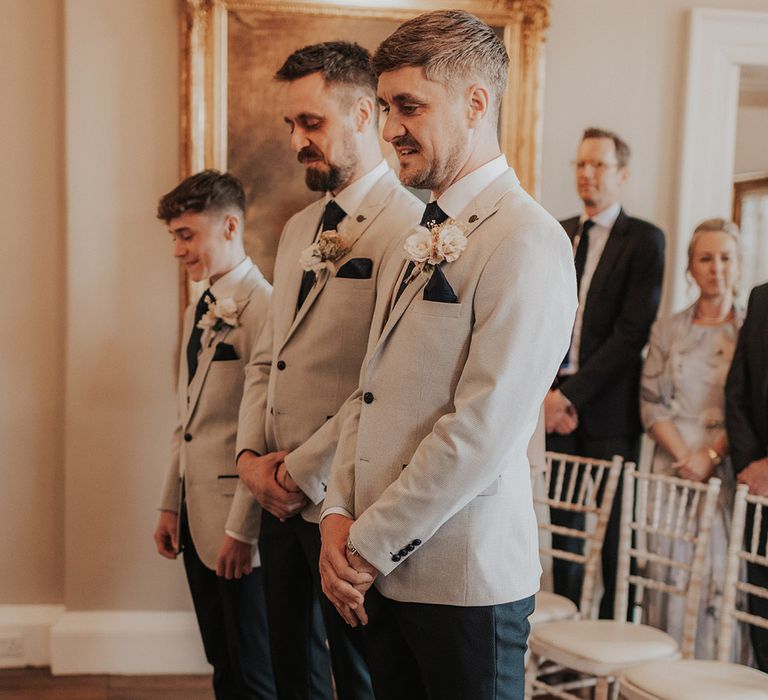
(623, 174)
(478, 102)
(232, 225)
(366, 110)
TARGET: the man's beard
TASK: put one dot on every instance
(435, 172)
(337, 175)
(330, 180)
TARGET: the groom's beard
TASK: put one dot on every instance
(325, 176)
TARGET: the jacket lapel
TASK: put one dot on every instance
(614, 247)
(305, 231)
(243, 298)
(474, 214)
(355, 227)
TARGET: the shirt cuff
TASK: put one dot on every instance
(242, 538)
(336, 511)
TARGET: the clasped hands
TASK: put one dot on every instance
(559, 413)
(270, 483)
(346, 576)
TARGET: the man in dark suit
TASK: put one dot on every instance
(746, 415)
(592, 409)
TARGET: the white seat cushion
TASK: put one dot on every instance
(551, 607)
(697, 680)
(605, 641)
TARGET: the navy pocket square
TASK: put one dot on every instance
(224, 352)
(357, 269)
(438, 289)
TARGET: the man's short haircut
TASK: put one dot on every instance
(209, 190)
(339, 62)
(450, 46)
(623, 153)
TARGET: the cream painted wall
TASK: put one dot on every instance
(620, 65)
(122, 135)
(752, 139)
(32, 313)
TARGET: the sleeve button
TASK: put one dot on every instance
(280, 365)
(416, 543)
(368, 397)
(187, 437)
(396, 558)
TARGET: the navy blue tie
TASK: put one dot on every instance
(332, 217)
(580, 257)
(433, 216)
(194, 344)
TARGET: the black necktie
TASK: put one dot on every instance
(193, 346)
(433, 216)
(580, 258)
(332, 217)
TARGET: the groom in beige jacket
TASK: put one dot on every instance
(430, 493)
(308, 359)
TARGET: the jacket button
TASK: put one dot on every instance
(403, 552)
(396, 557)
(416, 543)
(368, 397)
(280, 365)
(187, 437)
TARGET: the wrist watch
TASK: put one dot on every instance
(714, 456)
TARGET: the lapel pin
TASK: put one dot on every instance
(473, 218)
(360, 218)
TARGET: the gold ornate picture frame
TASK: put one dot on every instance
(231, 111)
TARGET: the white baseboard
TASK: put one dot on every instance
(27, 628)
(127, 643)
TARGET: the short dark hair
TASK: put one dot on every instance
(339, 62)
(207, 190)
(622, 148)
(447, 44)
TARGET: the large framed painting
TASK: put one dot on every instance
(231, 109)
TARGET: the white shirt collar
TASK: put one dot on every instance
(227, 285)
(458, 196)
(606, 218)
(352, 196)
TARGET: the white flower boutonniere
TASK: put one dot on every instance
(326, 250)
(427, 248)
(222, 312)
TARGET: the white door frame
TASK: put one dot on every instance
(720, 42)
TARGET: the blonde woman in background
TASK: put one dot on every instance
(682, 407)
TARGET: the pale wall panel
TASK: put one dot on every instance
(32, 308)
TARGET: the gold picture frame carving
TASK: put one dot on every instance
(220, 37)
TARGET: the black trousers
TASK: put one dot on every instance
(757, 575)
(290, 552)
(233, 623)
(568, 576)
(422, 651)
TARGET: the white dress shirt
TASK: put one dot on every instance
(458, 196)
(598, 237)
(226, 286)
(352, 196)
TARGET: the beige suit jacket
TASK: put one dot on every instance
(308, 363)
(431, 459)
(203, 442)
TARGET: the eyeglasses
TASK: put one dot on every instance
(597, 165)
